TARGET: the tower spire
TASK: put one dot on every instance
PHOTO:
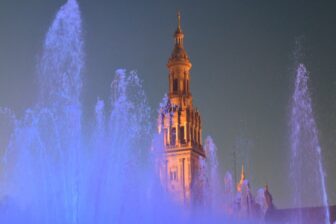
(242, 179)
(242, 175)
(178, 33)
(178, 20)
(179, 54)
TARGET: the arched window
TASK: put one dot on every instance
(175, 85)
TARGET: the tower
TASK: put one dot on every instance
(180, 124)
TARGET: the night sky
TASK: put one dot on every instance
(241, 79)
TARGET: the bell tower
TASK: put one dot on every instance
(180, 124)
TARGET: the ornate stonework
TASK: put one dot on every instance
(180, 124)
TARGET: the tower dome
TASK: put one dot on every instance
(179, 54)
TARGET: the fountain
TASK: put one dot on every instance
(306, 165)
(56, 170)
(214, 189)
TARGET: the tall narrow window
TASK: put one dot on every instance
(173, 136)
(187, 87)
(194, 136)
(175, 85)
(188, 133)
(181, 134)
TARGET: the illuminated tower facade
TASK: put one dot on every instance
(180, 124)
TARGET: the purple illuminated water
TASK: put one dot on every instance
(57, 170)
(306, 165)
(214, 190)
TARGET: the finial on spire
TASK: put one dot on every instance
(178, 33)
(178, 20)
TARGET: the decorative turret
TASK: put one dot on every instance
(242, 179)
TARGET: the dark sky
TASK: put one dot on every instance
(242, 75)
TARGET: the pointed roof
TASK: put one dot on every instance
(242, 174)
(179, 54)
(242, 179)
(179, 30)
